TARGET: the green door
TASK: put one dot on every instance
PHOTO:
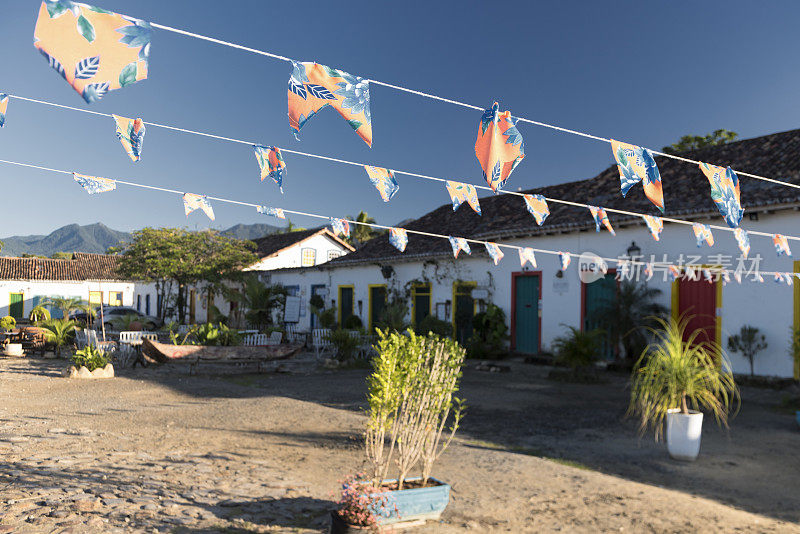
(16, 308)
(464, 312)
(377, 302)
(599, 296)
(526, 314)
(345, 304)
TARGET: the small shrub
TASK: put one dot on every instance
(327, 318)
(393, 317)
(90, 357)
(432, 325)
(353, 323)
(578, 349)
(362, 503)
(210, 334)
(749, 342)
(489, 334)
(344, 344)
(7, 323)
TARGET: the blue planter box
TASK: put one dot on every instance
(416, 503)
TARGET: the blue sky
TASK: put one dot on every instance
(644, 72)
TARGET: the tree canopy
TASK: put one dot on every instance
(693, 142)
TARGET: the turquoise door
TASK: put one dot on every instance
(526, 314)
(599, 296)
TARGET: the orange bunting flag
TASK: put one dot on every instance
(781, 245)
(494, 252)
(743, 240)
(3, 108)
(526, 255)
(93, 49)
(383, 180)
(340, 226)
(565, 259)
(270, 162)
(313, 87)
(601, 217)
(130, 133)
(725, 192)
(499, 146)
(702, 232)
(398, 237)
(94, 184)
(459, 244)
(537, 206)
(674, 272)
(636, 164)
(193, 202)
(461, 192)
(655, 225)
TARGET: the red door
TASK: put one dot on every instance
(697, 299)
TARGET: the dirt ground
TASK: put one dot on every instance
(156, 450)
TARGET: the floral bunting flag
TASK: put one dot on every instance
(601, 217)
(725, 192)
(313, 87)
(494, 252)
(459, 244)
(461, 192)
(636, 164)
(130, 133)
(655, 225)
(758, 277)
(674, 272)
(275, 212)
(270, 161)
(3, 108)
(383, 180)
(340, 226)
(93, 49)
(537, 206)
(778, 278)
(527, 255)
(743, 240)
(94, 184)
(565, 259)
(702, 232)
(499, 146)
(726, 277)
(398, 237)
(708, 276)
(781, 245)
(193, 202)
(648, 270)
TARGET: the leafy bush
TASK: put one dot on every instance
(59, 333)
(7, 323)
(362, 502)
(578, 349)
(127, 322)
(672, 373)
(748, 342)
(432, 325)
(90, 357)
(344, 344)
(210, 334)
(326, 318)
(393, 316)
(411, 399)
(353, 323)
(489, 334)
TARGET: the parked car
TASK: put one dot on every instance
(110, 313)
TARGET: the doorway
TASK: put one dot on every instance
(596, 297)
(463, 310)
(526, 319)
(699, 301)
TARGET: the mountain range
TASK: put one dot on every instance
(98, 237)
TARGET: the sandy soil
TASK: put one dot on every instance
(160, 451)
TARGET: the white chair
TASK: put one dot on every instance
(291, 332)
(129, 337)
(255, 340)
(275, 338)
(320, 342)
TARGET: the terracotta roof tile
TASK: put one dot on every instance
(82, 266)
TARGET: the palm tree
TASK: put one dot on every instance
(59, 332)
(627, 317)
(360, 233)
(258, 300)
(39, 313)
(65, 304)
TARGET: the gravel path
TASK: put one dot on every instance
(155, 450)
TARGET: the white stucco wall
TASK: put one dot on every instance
(35, 290)
(292, 256)
(768, 306)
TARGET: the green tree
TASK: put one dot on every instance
(290, 227)
(61, 256)
(176, 258)
(360, 233)
(693, 142)
(258, 300)
(65, 304)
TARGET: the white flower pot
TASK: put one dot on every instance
(13, 349)
(683, 434)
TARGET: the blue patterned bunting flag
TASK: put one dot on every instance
(94, 184)
(398, 237)
(459, 244)
(275, 212)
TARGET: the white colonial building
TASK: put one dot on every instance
(540, 301)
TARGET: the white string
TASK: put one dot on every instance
(458, 103)
(405, 173)
(383, 227)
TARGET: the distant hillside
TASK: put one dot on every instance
(97, 238)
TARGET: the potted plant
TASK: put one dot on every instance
(360, 505)
(749, 342)
(411, 401)
(90, 362)
(7, 324)
(676, 376)
(59, 333)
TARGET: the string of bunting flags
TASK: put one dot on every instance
(398, 237)
(272, 164)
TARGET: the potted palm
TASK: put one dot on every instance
(412, 418)
(59, 333)
(676, 376)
